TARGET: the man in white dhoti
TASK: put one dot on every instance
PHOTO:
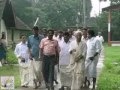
(34, 55)
(78, 54)
(21, 52)
(64, 58)
(93, 51)
(101, 39)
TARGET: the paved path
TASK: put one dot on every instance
(99, 68)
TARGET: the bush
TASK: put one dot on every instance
(11, 58)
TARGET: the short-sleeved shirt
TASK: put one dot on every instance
(50, 47)
(33, 45)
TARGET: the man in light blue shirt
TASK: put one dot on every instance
(34, 53)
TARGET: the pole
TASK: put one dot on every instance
(36, 21)
(109, 28)
(99, 6)
(84, 13)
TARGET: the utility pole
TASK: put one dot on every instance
(84, 13)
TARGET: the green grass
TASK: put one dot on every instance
(11, 71)
(11, 58)
(110, 76)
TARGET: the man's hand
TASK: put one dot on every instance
(91, 58)
(74, 50)
(81, 56)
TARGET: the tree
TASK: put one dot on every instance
(52, 13)
(21, 10)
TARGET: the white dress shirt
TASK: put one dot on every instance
(64, 57)
(93, 46)
(21, 50)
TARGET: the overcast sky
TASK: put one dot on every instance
(95, 5)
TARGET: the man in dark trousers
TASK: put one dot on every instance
(49, 52)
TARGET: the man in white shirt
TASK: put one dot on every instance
(21, 52)
(64, 58)
(77, 50)
(100, 38)
(93, 51)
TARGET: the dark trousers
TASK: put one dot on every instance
(48, 69)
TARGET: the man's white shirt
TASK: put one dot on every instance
(21, 50)
(93, 46)
(64, 53)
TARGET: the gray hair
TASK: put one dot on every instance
(76, 32)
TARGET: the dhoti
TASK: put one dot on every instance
(36, 68)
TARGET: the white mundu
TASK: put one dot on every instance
(64, 59)
(21, 50)
(93, 46)
(78, 68)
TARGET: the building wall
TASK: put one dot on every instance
(16, 36)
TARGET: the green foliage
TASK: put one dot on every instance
(20, 8)
(52, 13)
(110, 76)
(11, 58)
(101, 21)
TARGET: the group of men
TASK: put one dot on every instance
(74, 53)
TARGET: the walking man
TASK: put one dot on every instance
(93, 51)
(34, 53)
(49, 52)
(78, 62)
(21, 52)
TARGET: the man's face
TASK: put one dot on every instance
(35, 32)
(55, 32)
(71, 33)
(50, 34)
(88, 35)
(78, 36)
(60, 34)
(66, 38)
(23, 39)
(84, 33)
(99, 33)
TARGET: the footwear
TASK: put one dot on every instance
(24, 86)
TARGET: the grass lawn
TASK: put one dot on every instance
(11, 71)
(110, 76)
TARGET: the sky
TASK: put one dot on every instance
(96, 5)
